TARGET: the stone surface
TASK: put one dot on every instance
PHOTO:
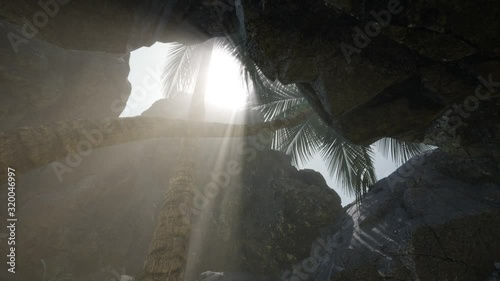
(436, 218)
(119, 26)
(262, 234)
(400, 80)
(44, 83)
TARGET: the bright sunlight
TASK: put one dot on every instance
(225, 87)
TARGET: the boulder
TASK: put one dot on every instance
(436, 218)
(282, 208)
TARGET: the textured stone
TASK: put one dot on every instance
(44, 83)
(119, 26)
(400, 81)
(427, 221)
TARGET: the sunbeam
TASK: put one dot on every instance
(225, 88)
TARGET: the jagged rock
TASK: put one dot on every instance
(264, 233)
(400, 80)
(495, 276)
(44, 83)
(440, 221)
(436, 218)
(119, 26)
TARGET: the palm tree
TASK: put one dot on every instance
(27, 148)
(298, 132)
(170, 244)
(352, 165)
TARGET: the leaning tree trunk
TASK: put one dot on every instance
(27, 148)
(169, 247)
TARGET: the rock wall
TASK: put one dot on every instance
(418, 60)
(262, 226)
(44, 83)
(435, 218)
(119, 26)
(397, 65)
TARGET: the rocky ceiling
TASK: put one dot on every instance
(371, 69)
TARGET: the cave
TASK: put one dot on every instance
(396, 72)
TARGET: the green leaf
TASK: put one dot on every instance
(401, 151)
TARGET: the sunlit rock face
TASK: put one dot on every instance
(43, 83)
(98, 222)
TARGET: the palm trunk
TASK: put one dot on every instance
(29, 147)
(169, 247)
(166, 259)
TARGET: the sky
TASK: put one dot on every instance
(224, 88)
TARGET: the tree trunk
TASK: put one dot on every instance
(29, 147)
(166, 259)
(169, 247)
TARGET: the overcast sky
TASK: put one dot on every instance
(145, 71)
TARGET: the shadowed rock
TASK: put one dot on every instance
(436, 218)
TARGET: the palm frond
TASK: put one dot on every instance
(274, 109)
(229, 47)
(350, 164)
(400, 151)
(301, 142)
(233, 46)
(181, 67)
(266, 91)
(367, 174)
